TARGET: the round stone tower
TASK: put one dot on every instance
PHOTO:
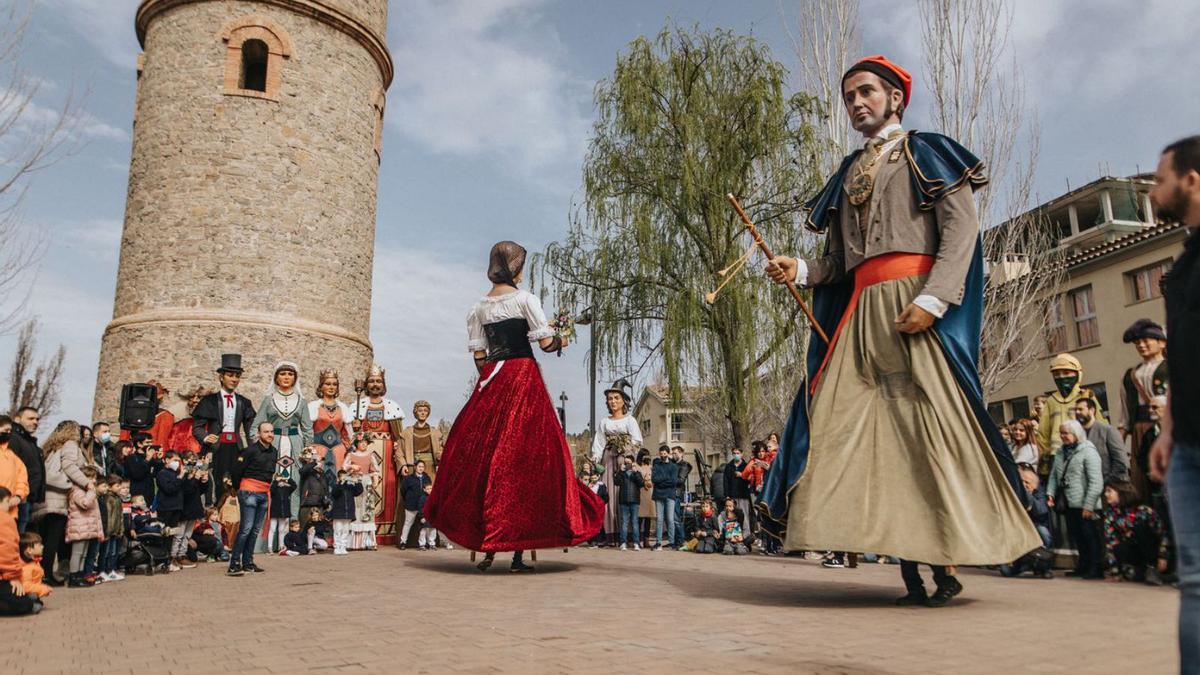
(250, 218)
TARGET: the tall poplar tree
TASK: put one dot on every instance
(686, 118)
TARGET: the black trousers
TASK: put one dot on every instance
(53, 528)
(912, 576)
(1140, 550)
(14, 605)
(206, 544)
(1086, 535)
(223, 457)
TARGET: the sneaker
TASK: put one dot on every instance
(484, 564)
(519, 567)
(172, 567)
(624, 547)
(186, 564)
(657, 547)
(341, 552)
(914, 599)
(833, 563)
(118, 576)
(449, 546)
(945, 593)
(1153, 578)
(235, 570)
(254, 568)
(637, 547)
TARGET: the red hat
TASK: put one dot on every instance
(888, 71)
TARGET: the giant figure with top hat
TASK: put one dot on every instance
(222, 422)
(889, 448)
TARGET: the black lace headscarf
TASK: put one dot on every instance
(506, 262)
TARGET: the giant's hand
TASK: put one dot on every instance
(782, 269)
(914, 320)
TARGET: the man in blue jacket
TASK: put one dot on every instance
(664, 475)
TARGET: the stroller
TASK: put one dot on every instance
(149, 550)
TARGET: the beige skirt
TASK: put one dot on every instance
(898, 464)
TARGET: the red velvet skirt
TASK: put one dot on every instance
(505, 481)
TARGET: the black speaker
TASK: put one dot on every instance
(139, 405)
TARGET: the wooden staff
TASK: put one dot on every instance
(791, 286)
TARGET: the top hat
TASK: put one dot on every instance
(230, 363)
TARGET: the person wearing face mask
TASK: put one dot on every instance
(12, 470)
(1060, 405)
(104, 455)
(170, 505)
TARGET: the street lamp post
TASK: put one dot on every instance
(586, 318)
(562, 410)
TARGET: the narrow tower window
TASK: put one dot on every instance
(255, 56)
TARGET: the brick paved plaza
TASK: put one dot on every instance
(587, 610)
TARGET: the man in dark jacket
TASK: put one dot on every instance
(170, 505)
(411, 489)
(685, 470)
(1114, 458)
(1039, 513)
(220, 419)
(26, 447)
(314, 489)
(252, 473)
(104, 451)
(664, 475)
(629, 483)
(736, 487)
(140, 467)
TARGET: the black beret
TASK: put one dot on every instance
(1144, 328)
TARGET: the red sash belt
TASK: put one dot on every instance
(227, 437)
(254, 485)
(887, 267)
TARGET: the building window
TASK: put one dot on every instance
(1087, 330)
(254, 66)
(1018, 408)
(1146, 283)
(645, 427)
(676, 428)
(256, 49)
(1056, 327)
(996, 412)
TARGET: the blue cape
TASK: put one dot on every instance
(939, 166)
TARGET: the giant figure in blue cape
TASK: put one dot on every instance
(906, 460)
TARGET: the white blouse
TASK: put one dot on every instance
(610, 427)
(494, 309)
(1026, 454)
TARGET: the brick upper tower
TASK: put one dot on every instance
(250, 219)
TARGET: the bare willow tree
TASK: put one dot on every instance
(977, 96)
(32, 137)
(39, 386)
(826, 41)
(685, 118)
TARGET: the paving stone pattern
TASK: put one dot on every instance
(598, 611)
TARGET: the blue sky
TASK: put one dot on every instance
(488, 121)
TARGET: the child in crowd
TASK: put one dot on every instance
(295, 542)
(282, 488)
(85, 531)
(113, 515)
(230, 517)
(207, 536)
(342, 512)
(318, 532)
(32, 575)
(428, 537)
(363, 468)
(170, 505)
(14, 600)
(314, 490)
(412, 486)
(593, 482)
(1136, 546)
(730, 522)
(143, 520)
(707, 528)
(195, 487)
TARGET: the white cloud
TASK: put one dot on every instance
(483, 78)
(105, 24)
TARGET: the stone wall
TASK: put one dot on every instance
(244, 211)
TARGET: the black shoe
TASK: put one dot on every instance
(485, 563)
(79, 581)
(55, 581)
(914, 599)
(253, 568)
(235, 570)
(403, 546)
(944, 593)
(519, 567)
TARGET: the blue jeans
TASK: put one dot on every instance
(110, 554)
(677, 540)
(665, 510)
(1183, 494)
(629, 521)
(253, 506)
(23, 510)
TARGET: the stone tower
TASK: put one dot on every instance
(250, 218)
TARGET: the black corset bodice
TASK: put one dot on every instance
(508, 339)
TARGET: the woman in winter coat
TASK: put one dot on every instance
(646, 508)
(61, 458)
(1076, 483)
(85, 529)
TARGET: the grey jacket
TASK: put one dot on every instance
(896, 224)
(1078, 471)
(1114, 458)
